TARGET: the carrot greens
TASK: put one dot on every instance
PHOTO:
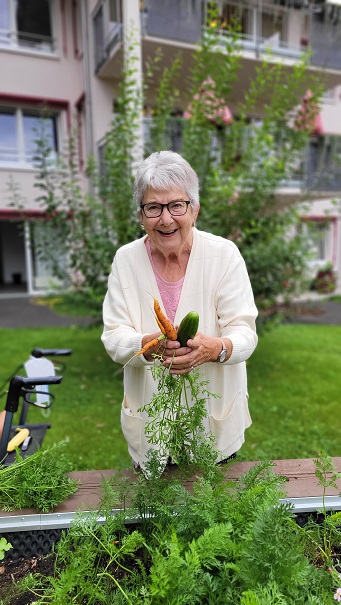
(39, 481)
(175, 427)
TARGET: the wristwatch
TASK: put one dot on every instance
(223, 353)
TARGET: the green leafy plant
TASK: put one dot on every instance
(200, 542)
(325, 534)
(39, 481)
(175, 426)
(4, 547)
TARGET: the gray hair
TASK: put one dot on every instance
(165, 169)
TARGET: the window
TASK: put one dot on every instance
(8, 136)
(115, 23)
(107, 30)
(27, 24)
(115, 11)
(318, 234)
(19, 131)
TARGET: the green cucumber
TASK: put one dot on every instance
(188, 327)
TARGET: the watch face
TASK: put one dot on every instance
(222, 356)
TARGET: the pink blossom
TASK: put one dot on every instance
(213, 108)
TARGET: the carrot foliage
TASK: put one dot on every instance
(175, 429)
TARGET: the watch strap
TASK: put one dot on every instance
(223, 348)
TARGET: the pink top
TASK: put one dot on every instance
(169, 290)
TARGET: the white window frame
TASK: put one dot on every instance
(22, 160)
(9, 38)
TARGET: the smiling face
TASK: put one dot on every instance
(169, 234)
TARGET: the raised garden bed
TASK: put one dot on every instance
(32, 534)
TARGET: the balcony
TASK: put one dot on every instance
(284, 29)
(280, 30)
(267, 26)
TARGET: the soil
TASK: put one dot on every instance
(13, 571)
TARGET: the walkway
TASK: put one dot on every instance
(24, 313)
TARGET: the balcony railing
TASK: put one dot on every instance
(23, 40)
(106, 42)
(178, 20)
(323, 164)
(326, 38)
(262, 28)
(286, 28)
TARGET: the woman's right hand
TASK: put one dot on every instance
(164, 348)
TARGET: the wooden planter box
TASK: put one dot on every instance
(33, 533)
(301, 489)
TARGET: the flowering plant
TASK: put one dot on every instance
(325, 280)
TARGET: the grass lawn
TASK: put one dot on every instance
(86, 411)
(294, 384)
(295, 393)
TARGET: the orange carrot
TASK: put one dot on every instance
(160, 325)
(146, 347)
(169, 329)
(150, 344)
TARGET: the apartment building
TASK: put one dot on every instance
(67, 56)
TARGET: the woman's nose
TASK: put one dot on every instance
(166, 216)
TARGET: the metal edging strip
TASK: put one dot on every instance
(312, 503)
(13, 523)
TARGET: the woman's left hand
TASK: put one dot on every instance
(201, 349)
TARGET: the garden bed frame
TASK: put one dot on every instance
(301, 489)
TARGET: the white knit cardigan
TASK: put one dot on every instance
(217, 286)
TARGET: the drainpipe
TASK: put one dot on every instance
(28, 258)
(257, 26)
(86, 78)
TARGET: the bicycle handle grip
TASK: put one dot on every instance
(50, 352)
(17, 384)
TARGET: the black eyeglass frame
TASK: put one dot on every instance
(187, 202)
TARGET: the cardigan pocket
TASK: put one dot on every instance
(131, 427)
(229, 429)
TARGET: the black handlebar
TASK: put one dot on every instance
(50, 352)
(17, 388)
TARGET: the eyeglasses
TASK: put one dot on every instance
(176, 208)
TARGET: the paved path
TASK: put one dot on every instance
(316, 312)
(23, 313)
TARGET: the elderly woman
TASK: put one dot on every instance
(186, 270)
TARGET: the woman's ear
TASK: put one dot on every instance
(141, 219)
(195, 211)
